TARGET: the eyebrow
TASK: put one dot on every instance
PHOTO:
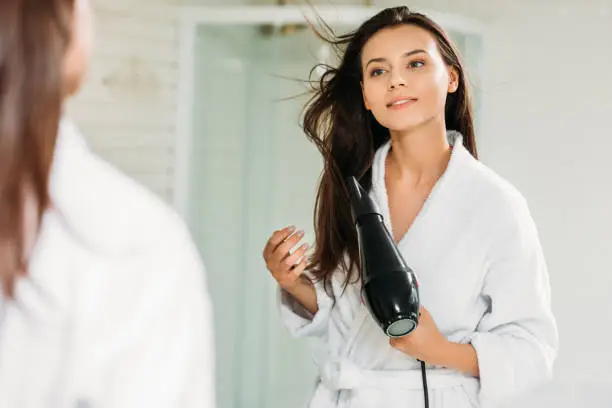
(406, 54)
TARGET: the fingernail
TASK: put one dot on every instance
(290, 228)
(300, 233)
(305, 246)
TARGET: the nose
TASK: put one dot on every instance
(396, 80)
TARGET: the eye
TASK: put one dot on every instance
(376, 72)
(416, 64)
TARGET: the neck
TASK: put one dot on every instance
(419, 155)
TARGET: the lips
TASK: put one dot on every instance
(399, 102)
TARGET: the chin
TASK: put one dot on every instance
(403, 125)
(406, 123)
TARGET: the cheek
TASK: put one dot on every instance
(431, 90)
(374, 93)
(433, 85)
(75, 66)
(440, 86)
(76, 62)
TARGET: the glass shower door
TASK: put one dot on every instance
(251, 172)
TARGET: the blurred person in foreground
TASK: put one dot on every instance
(104, 300)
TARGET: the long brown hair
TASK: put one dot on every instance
(34, 38)
(347, 135)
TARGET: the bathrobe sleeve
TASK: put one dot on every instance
(298, 320)
(516, 341)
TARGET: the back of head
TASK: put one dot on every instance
(34, 38)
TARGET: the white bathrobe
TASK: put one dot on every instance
(114, 312)
(482, 276)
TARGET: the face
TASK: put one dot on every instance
(76, 62)
(405, 80)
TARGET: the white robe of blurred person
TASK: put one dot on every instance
(112, 310)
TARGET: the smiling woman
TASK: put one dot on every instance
(397, 115)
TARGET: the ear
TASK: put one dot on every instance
(453, 80)
(365, 101)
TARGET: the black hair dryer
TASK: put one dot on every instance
(390, 288)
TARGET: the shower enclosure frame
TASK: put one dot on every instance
(190, 17)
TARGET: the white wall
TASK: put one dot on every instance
(127, 109)
(548, 131)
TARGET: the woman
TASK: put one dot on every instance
(397, 114)
(103, 301)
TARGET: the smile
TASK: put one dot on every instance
(400, 103)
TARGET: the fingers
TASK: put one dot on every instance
(298, 269)
(423, 312)
(293, 259)
(285, 247)
(280, 236)
(276, 239)
(397, 343)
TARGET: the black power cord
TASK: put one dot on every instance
(424, 377)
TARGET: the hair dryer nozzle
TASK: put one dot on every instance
(361, 203)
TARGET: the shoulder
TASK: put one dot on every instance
(502, 212)
(493, 194)
(128, 249)
(107, 209)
